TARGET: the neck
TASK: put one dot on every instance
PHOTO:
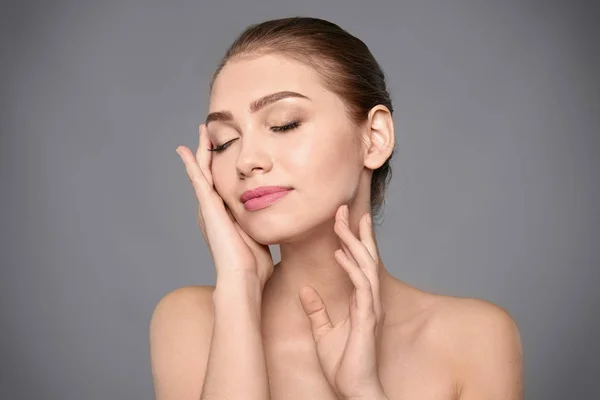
(310, 260)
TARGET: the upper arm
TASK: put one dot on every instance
(180, 334)
(491, 354)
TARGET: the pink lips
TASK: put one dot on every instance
(263, 196)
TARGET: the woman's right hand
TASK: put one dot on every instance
(234, 252)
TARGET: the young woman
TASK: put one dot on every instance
(295, 151)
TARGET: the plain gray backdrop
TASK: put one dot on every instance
(495, 189)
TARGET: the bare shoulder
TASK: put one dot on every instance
(180, 334)
(470, 316)
(485, 344)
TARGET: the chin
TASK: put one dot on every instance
(268, 233)
(277, 228)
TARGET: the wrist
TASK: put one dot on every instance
(236, 284)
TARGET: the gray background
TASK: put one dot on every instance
(495, 191)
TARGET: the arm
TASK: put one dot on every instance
(236, 364)
(182, 329)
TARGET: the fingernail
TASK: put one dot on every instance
(177, 150)
(369, 219)
(346, 212)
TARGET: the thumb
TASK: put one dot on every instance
(315, 309)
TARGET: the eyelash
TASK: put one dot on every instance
(283, 128)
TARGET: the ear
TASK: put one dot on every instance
(378, 137)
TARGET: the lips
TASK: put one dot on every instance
(261, 191)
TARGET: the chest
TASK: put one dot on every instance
(410, 372)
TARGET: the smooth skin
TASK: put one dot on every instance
(321, 334)
(347, 351)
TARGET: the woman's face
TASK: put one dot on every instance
(318, 157)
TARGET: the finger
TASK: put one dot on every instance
(193, 170)
(210, 204)
(363, 258)
(365, 230)
(203, 155)
(357, 249)
(230, 213)
(315, 309)
(241, 231)
(253, 244)
(364, 295)
(339, 215)
(366, 237)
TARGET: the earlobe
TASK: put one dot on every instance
(380, 137)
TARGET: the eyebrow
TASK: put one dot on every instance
(255, 106)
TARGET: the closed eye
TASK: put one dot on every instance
(283, 128)
(223, 146)
(286, 127)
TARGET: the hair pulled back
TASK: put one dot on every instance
(343, 61)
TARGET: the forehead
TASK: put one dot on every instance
(242, 81)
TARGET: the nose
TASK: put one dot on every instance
(254, 157)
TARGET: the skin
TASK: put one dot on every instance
(428, 346)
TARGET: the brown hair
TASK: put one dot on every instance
(344, 62)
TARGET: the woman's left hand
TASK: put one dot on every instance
(348, 351)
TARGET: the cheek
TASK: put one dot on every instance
(325, 164)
